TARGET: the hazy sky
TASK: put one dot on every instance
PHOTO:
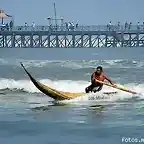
(87, 12)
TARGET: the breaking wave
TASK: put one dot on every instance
(26, 86)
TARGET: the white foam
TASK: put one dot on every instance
(75, 64)
(69, 86)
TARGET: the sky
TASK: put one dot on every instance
(84, 12)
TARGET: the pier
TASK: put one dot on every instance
(79, 37)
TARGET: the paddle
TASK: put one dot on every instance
(117, 87)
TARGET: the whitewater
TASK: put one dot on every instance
(71, 84)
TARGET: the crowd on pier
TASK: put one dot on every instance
(70, 26)
(127, 26)
(6, 26)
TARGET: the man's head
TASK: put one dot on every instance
(99, 70)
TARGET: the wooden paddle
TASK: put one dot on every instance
(117, 87)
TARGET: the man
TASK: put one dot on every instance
(97, 75)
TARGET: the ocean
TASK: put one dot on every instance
(27, 116)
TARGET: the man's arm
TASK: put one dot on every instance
(93, 78)
(108, 79)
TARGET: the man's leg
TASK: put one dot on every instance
(89, 88)
(97, 89)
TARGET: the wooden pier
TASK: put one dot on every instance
(76, 37)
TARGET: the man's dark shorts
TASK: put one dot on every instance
(94, 88)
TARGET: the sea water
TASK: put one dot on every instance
(29, 117)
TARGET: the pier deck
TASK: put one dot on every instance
(80, 37)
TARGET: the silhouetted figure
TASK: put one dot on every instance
(11, 25)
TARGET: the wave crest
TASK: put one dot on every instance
(123, 63)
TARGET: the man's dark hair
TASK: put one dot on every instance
(99, 67)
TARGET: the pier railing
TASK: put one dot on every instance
(78, 28)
